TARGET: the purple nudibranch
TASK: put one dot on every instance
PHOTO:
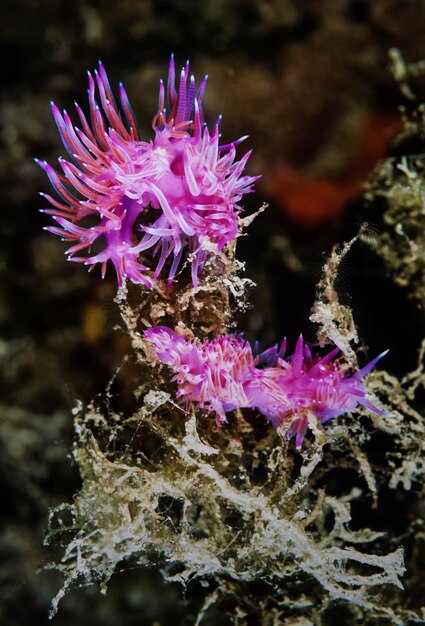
(223, 374)
(152, 202)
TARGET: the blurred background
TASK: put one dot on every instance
(308, 80)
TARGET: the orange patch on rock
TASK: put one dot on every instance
(309, 201)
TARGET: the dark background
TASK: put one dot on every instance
(309, 82)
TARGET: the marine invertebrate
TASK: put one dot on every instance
(179, 191)
(397, 186)
(211, 373)
(223, 374)
(318, 387)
